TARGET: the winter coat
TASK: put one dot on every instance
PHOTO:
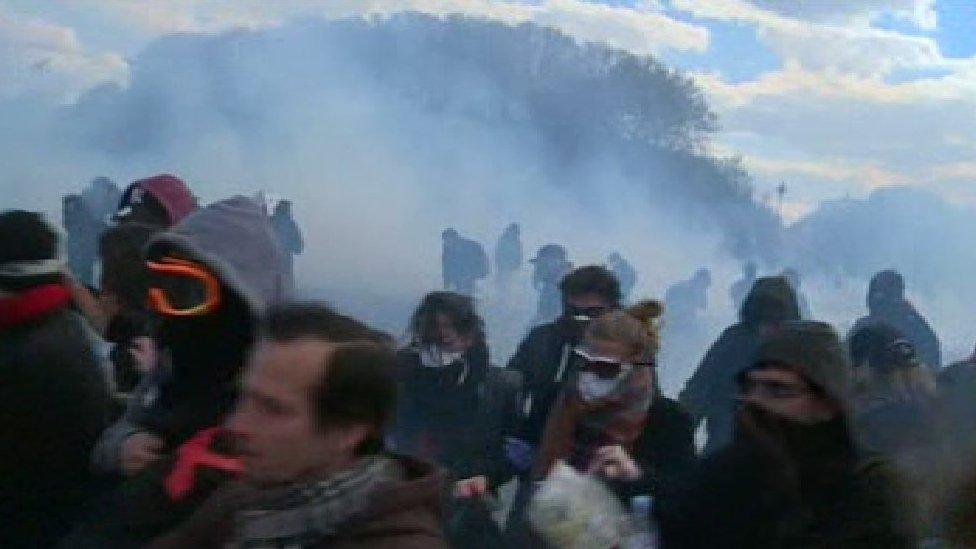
(740, 497)
(54, 402)
(543, 359)
(406, 513)
(710, 392)
(902, 316)
(457, 416)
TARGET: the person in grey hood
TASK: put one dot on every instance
(211, 276)
(710, 392)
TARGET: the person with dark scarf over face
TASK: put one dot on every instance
(793, 475)
(53, 398)
(454, 409)
(208, 291)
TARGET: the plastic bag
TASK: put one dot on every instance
(573, 510)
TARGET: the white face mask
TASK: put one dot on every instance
(593, 388)
(434, 356)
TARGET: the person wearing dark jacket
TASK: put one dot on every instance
(463, 262)
(709, 395)
(161, 200)
(208, 294)
(53, 398)
(793, 475)
(310, 426)
(543, 357)
(454, 409)
(887, 304)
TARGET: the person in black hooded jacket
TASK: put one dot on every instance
(710, 392)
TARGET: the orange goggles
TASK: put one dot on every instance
(182, 288)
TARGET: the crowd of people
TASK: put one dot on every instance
(226, 414)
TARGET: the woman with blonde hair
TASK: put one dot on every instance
(611, 419)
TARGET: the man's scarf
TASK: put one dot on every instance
(300, 515)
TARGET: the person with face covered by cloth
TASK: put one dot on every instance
(887, 304)
(793, 475)
(53, 398)
(208, 292)
(709, 394)
(611, 419)
(454, 409)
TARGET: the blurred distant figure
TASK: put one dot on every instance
(887, 304)
(709, 395)
(463, 262)
(551, 265)
(793, 277)
(162, 201)
(508, 255)
(740, 288)
(625, 273)
(288, 233)
(685, 300)
(102, 197)
(83, 230)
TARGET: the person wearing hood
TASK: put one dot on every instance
(611, 419)
(463, 262)
(310, 426)
(796, 282)
(54, 399)
(162, 200)
(508, 256)
(208, 295)
(793, 475)
(887, 304)
(454, 409)
(551, 265)
(709, 395)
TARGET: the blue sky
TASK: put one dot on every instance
(835, 97)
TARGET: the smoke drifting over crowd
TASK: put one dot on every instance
(385, 131)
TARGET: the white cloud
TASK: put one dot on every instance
(41, 59)
(641, 29)
(919, 12)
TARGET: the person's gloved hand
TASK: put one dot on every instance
(519, 453)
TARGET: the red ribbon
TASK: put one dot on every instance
(194, 454)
